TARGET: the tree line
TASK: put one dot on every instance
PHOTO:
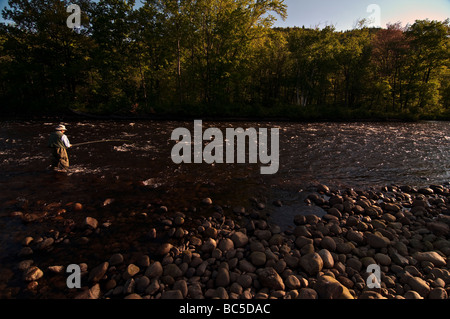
(218, 58)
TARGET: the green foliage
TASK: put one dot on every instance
(217, 58)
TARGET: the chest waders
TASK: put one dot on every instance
(60, 159)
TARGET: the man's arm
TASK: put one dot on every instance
(66, 142)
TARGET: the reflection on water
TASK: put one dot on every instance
(357, 155)
(141, 172)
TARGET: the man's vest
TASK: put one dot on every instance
(55, 140)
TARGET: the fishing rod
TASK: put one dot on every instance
(101, 141)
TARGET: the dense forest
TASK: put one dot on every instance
(216, 58)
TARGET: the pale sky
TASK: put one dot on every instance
(344, 14)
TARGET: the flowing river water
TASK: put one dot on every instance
(140, 172)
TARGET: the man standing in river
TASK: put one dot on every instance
(59, 143)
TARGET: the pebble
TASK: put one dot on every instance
(329, 288)
(431, 256)
(223, 278)
(311, 263)
(172, 294)
(307, 293)
(419, 285)
(130, 271)
(97, 273)
(327, 258)
(292, 282)
(56, 269)
(32, 273)
(27, 240)
(239, 239)
(318, 258)
(438, 293)
(25, 264)
(116, 259)
(164, 249)
(226, 244)
(376, 241)
(383, 259)
(271, 279)
(258, 258)
(328, 243)
(155, 270)
(172, 270)
(133, 296)
(25, 251)
(91, 293)
(91, 222)
(207, 201)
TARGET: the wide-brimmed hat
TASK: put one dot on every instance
(61, 128)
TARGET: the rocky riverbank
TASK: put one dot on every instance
(236, 253)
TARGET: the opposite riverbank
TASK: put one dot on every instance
(287, 113)
(222, 252)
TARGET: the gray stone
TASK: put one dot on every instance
(302, 241)
(292, 282)
(344, 248)
(327, 258)
(195, 291)
(411, 294)
(207, 201)
(263, 234)
(328, 243)
(91, 222)
(209, 245)
(246, 266)
(269, 278)
(154, 270)
(383, 259)
(223, 277)
(311, 263)
(172, 294)
(307, 293)
(399, 259)
(430, 256)
(438, 293)
(164, 249)
(355, 236)
(291, 261)
(92, 293)
(142, 283)
(225, 244)
(56, 269)
(258, 258)
(371, 295)
(153, 287)
(46, 243)
(329, 288)
(32, 273)
(133, 296)
(182, 286)
(25, 264)
(239, 239)
(129, 286)
(419, 285)
(130, 271)
(97, 273)
(354, 263)
(173, 271)
(116, 259)
(376, 241)
(25, 251)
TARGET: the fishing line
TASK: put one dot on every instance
(95, 142)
